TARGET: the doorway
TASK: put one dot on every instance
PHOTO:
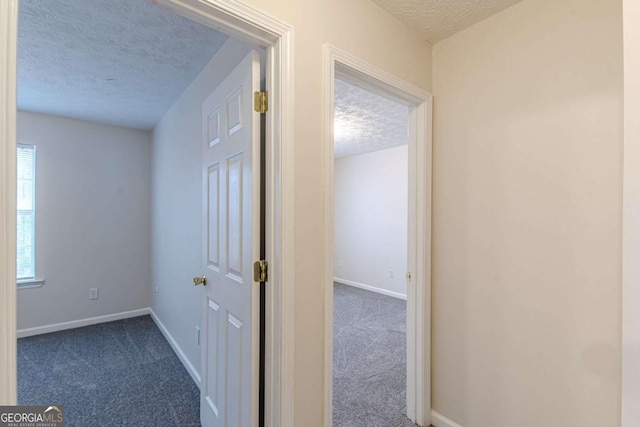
(370, 258)
(263, 32)
(347, 68)
(117, 141)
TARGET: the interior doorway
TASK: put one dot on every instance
(262, 32)
(371, 193)
(113, 125)
(346, 71)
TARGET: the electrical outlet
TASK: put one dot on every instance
(157, 289)
(93, 293)
(197, 335)
(391, 274)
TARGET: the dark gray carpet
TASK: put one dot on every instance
(121, 373)
(369, 359)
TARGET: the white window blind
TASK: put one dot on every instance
(26, 265)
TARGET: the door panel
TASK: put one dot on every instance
(234, 370)
(234, 215)
(231, 243)
(213, 127)
(213, 229)
(211, 380)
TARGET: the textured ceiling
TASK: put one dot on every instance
(365, 121)
(438, 19)
(121, 62)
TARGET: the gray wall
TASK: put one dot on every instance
(92, 219)
(370, 220)
(177, 205)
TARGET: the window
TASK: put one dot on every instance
(26, 237)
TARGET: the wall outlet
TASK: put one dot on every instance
(391, 274)
(157, 289)
(197, 335)
(93, 293)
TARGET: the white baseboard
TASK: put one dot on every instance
(370, 288)
(438, 420)
(176, 348)
(22, 333)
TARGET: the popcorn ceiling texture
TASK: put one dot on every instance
(438, 19)
(365, 121)
(120, 62)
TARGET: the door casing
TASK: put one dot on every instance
(348, 67)
(263, 31)
(630, 387)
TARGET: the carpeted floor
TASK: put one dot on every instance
(121, 373)
(369, 359)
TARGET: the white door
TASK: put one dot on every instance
(231, 210)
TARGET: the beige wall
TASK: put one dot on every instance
(527, 217)
(364, 30)
(631, 218)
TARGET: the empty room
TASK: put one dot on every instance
(371, 269)
(117, 107)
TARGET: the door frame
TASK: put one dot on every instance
(8, 74)
(244, 22)
(340, 63)
(630, 414)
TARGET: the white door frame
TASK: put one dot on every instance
(8, 44)
(241, 21)
(631, 219)
(337, 62)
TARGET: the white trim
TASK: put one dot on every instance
(337, 62)
(630, 392)
(195, 375)
(8, 44)
(370, 288)
(29, 283)
(438, 420)
(63, 326)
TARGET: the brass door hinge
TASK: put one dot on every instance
(261, 102)
(260, 271)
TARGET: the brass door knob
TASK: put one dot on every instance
(200, 280)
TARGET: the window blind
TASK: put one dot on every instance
(26, 212)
